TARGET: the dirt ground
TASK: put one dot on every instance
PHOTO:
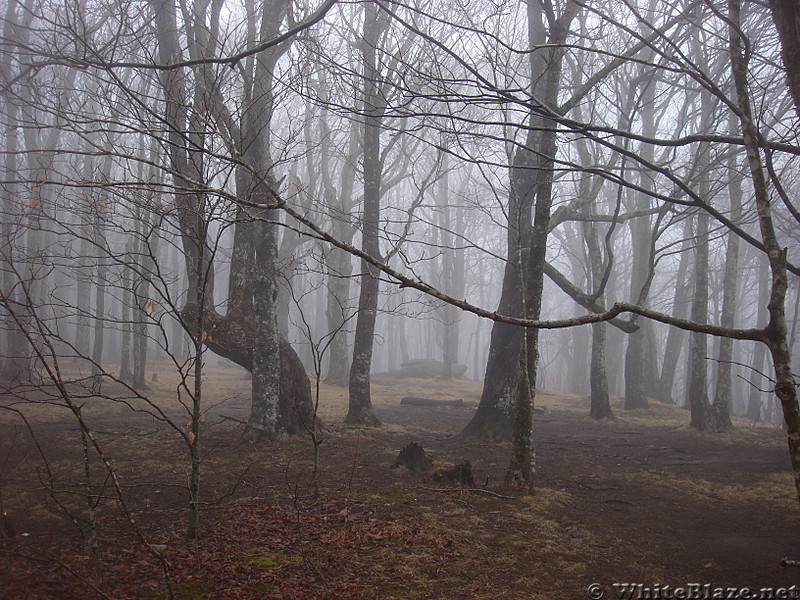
(642, 499)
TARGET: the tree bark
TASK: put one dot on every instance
(452, 270)
(599, 401)
(754, 398)
(775, 333)
(786, 14)
(636, 368)
(147, 245)
(493, 418)
(100, 296)
(125, 372)
(338, 263)
(697, 390)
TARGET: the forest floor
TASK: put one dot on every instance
(641, 499)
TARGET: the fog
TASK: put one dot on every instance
(593, 199)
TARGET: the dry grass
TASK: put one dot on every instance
(606, 484)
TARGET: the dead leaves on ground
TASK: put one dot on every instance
(247, 552)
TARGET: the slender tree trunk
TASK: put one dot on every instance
(636, 369)
(522, 467)
(635, 355)
(340, 267)
(100, 244)
(148, 247)
(452, 281)
(599, 402)
(339, 264)
(125, 372)
(703, 416)
(83, 284)
(578, 362)
(675, 336)
(754, 398)
(697, 391)
(15, 364)
(360, 405)
(722, 396)
(100, 297)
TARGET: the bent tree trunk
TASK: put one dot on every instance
(235, 339)
(235, 336)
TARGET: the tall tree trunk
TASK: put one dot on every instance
(636, 369)
(15, 364)
(232, 336)
(675, 336)
(102, 277)
(599, 402)
(754, 398)
(452, 270)
(722, 395)
(83, 284)
(360, 404)
(522, 467)
(338, 263)
(264, 421)
(339, 269)
(493, 418)
(697, 391)
(146, 255)
(125, 372)
(703, 416)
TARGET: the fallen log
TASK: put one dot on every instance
(418, 401)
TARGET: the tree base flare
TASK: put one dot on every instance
(363, 418)
(232, 338)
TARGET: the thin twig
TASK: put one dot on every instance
(739, 364)
(474, 490)
(234, 419)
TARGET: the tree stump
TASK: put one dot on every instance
(413, 457)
